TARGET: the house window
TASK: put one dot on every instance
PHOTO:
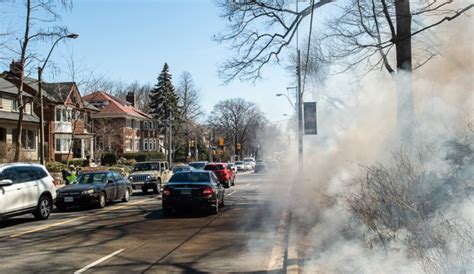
(28, 140)
(1, 101)
(14, 104)
(63, 145)
(145, 125)
(145, 144)
(137, 144)
(128, 145)
(63, 115)
(133, 123)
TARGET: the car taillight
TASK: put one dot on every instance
(207, 191)
(166, 192)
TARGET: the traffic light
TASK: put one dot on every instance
(221, 142)
(238, 146)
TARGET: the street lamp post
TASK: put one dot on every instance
(40, 92)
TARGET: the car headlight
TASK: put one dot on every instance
(130, 178)
(88, 192)
(148, 178)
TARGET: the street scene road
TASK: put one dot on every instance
(136, 237)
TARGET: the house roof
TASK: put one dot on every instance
(9, 87)
(57, 92)
(115, 106)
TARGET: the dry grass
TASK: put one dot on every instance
(411, 200)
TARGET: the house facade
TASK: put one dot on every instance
(68, 130)
(122, 128)
(9, 116)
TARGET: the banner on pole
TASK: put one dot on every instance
(310, 122)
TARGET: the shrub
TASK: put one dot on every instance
(109, 159)
(77, 162)
(55, 166)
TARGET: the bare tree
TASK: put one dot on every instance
(238, 121)
(141, 93)
(47, 14)
(260, 30)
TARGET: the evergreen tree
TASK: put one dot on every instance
(163, 99)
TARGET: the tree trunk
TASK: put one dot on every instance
(405, 106)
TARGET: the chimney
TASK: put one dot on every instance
(15, 68)
(131, 98)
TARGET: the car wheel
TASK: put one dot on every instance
(61, 207)
(222, 202)
(126, 195)
(156, 188)
(166, 212)
(102, 201)
(215, 209)
(43, 209)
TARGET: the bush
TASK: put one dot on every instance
(108, 159)
(143, 156)
(55, 166)
(77, 162)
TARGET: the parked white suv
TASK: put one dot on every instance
(26, 188)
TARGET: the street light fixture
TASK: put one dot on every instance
(40, 92)
(288, 98)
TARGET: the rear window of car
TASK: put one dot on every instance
(214, 167)
(190, 177)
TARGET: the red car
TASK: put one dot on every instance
(225, 175)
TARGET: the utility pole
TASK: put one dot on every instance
(41, 117)
(170, 145)
(299, 109)
(210, 145)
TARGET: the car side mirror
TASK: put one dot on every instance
(6, 182)
(110, 181)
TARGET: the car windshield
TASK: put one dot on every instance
(239, 163)
(146, 166)
(190, 177)
(198, 165)
(90, 178)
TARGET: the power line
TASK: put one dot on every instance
(309, 45)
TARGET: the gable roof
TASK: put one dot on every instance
(57, 92)
(10, 88)
(115, 106)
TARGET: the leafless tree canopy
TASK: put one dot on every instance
(259, 31)
(237, 119)
(189, 98)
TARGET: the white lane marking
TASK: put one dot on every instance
(278, 250)
(232, 192)
(85, 268)
(77, 218)
(248, 184)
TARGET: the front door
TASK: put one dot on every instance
(77, 148)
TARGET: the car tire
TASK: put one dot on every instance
(166, 212)
(61, 207)
(156, 188)
(102, 200)
(126, 195)
(222, 202)
(44, 208)
(215, 209)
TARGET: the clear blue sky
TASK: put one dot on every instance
(129, 40)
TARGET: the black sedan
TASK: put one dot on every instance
(94, 188)
(193, 190)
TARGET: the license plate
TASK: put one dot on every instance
(186, 191)
(68, 199)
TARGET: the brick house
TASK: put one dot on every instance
(122, 128)
(67, 125)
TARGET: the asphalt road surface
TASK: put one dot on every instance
(136, 237)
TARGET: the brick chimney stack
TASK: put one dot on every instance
(15, 68)
(131, 98)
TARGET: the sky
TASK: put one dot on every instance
(130, 40)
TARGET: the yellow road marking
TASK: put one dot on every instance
(76, 219)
